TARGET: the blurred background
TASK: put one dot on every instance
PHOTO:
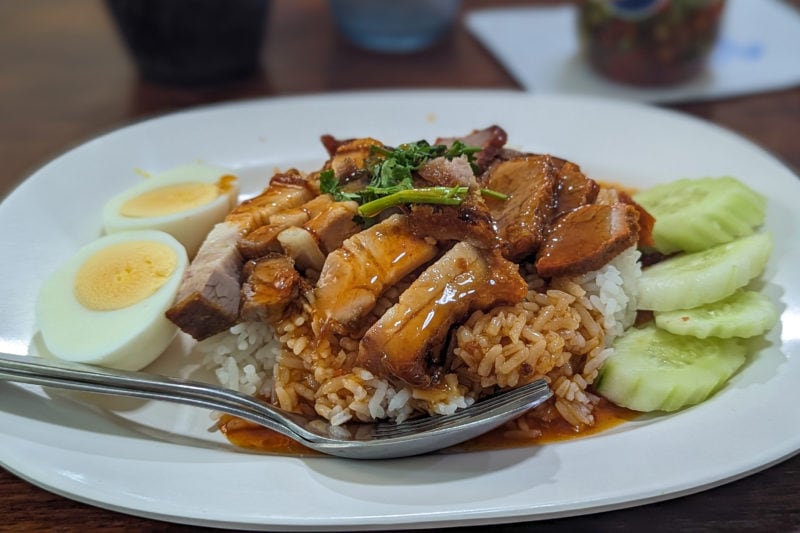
(67, 72)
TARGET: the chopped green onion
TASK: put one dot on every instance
(491, 193)
(426, 195)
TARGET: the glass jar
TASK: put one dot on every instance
(649, 42)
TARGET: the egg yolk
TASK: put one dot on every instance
(170, 199)
(123, 274)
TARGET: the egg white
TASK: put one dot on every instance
(129, 338)
(191, 226)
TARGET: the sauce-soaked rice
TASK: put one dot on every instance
(607, 415)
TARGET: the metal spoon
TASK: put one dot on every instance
(369, 441)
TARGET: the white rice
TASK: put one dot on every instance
(613, 289)
(242, 358)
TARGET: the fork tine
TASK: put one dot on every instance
(521, 399)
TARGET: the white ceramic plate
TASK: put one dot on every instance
(159, 460)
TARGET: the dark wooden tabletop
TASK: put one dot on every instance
(66, 77)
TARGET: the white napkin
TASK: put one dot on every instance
(758, 50)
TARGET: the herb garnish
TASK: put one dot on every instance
(392, 183)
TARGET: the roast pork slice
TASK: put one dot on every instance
(350, 158)
(300, 215)
(332, 225)
(470, 222)
(491, 141)
(331, 143)
(587, 238)
(271, 283)
(208, 299)
(356, 274)
(407, 342)
(301, 245)
(522, 220)
(285, 190)
(306, 233)
(573, 189)
(264, 240)
(444, 172)
(646, 221)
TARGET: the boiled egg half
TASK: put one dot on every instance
(185, 202)
(106, 304)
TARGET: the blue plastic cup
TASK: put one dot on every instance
(394, 25)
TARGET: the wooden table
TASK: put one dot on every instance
(66, 77)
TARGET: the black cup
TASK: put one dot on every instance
(192, 42)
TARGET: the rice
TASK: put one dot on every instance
(242, 357)
(561, 331)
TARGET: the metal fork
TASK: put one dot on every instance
(369, 441)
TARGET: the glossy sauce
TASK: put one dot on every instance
(254, 437)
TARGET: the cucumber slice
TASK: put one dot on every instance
(654, 370)
(695, 214)
(689, 280)
(743, 314)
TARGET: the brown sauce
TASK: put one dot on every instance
(607, 415)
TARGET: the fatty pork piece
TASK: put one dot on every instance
(270, 284)
(349, 158)
(208, 299)
(333, 225)
(328, 222)
(356, 274)
(444, 172)
(469, 222)
(331, 143)
(308, 244)
(407, 342)
(522, 220)
(573, 188)
(646, 221)
(491, 140)
(587, 238)
(264, 240)
(285, 191)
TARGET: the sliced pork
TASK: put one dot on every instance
(331, 226)
(407, 342)
(264, 240)
(646, 221)
(470, 222)
(306, 233)
(301, 245)
(355, 275)
(208, 299)
(350, 158)
(271, 283)
(444, 172)
(587, 238)
(331, 143)
(573, 189)
(523, 218)
(285, 190)
(491, 140)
